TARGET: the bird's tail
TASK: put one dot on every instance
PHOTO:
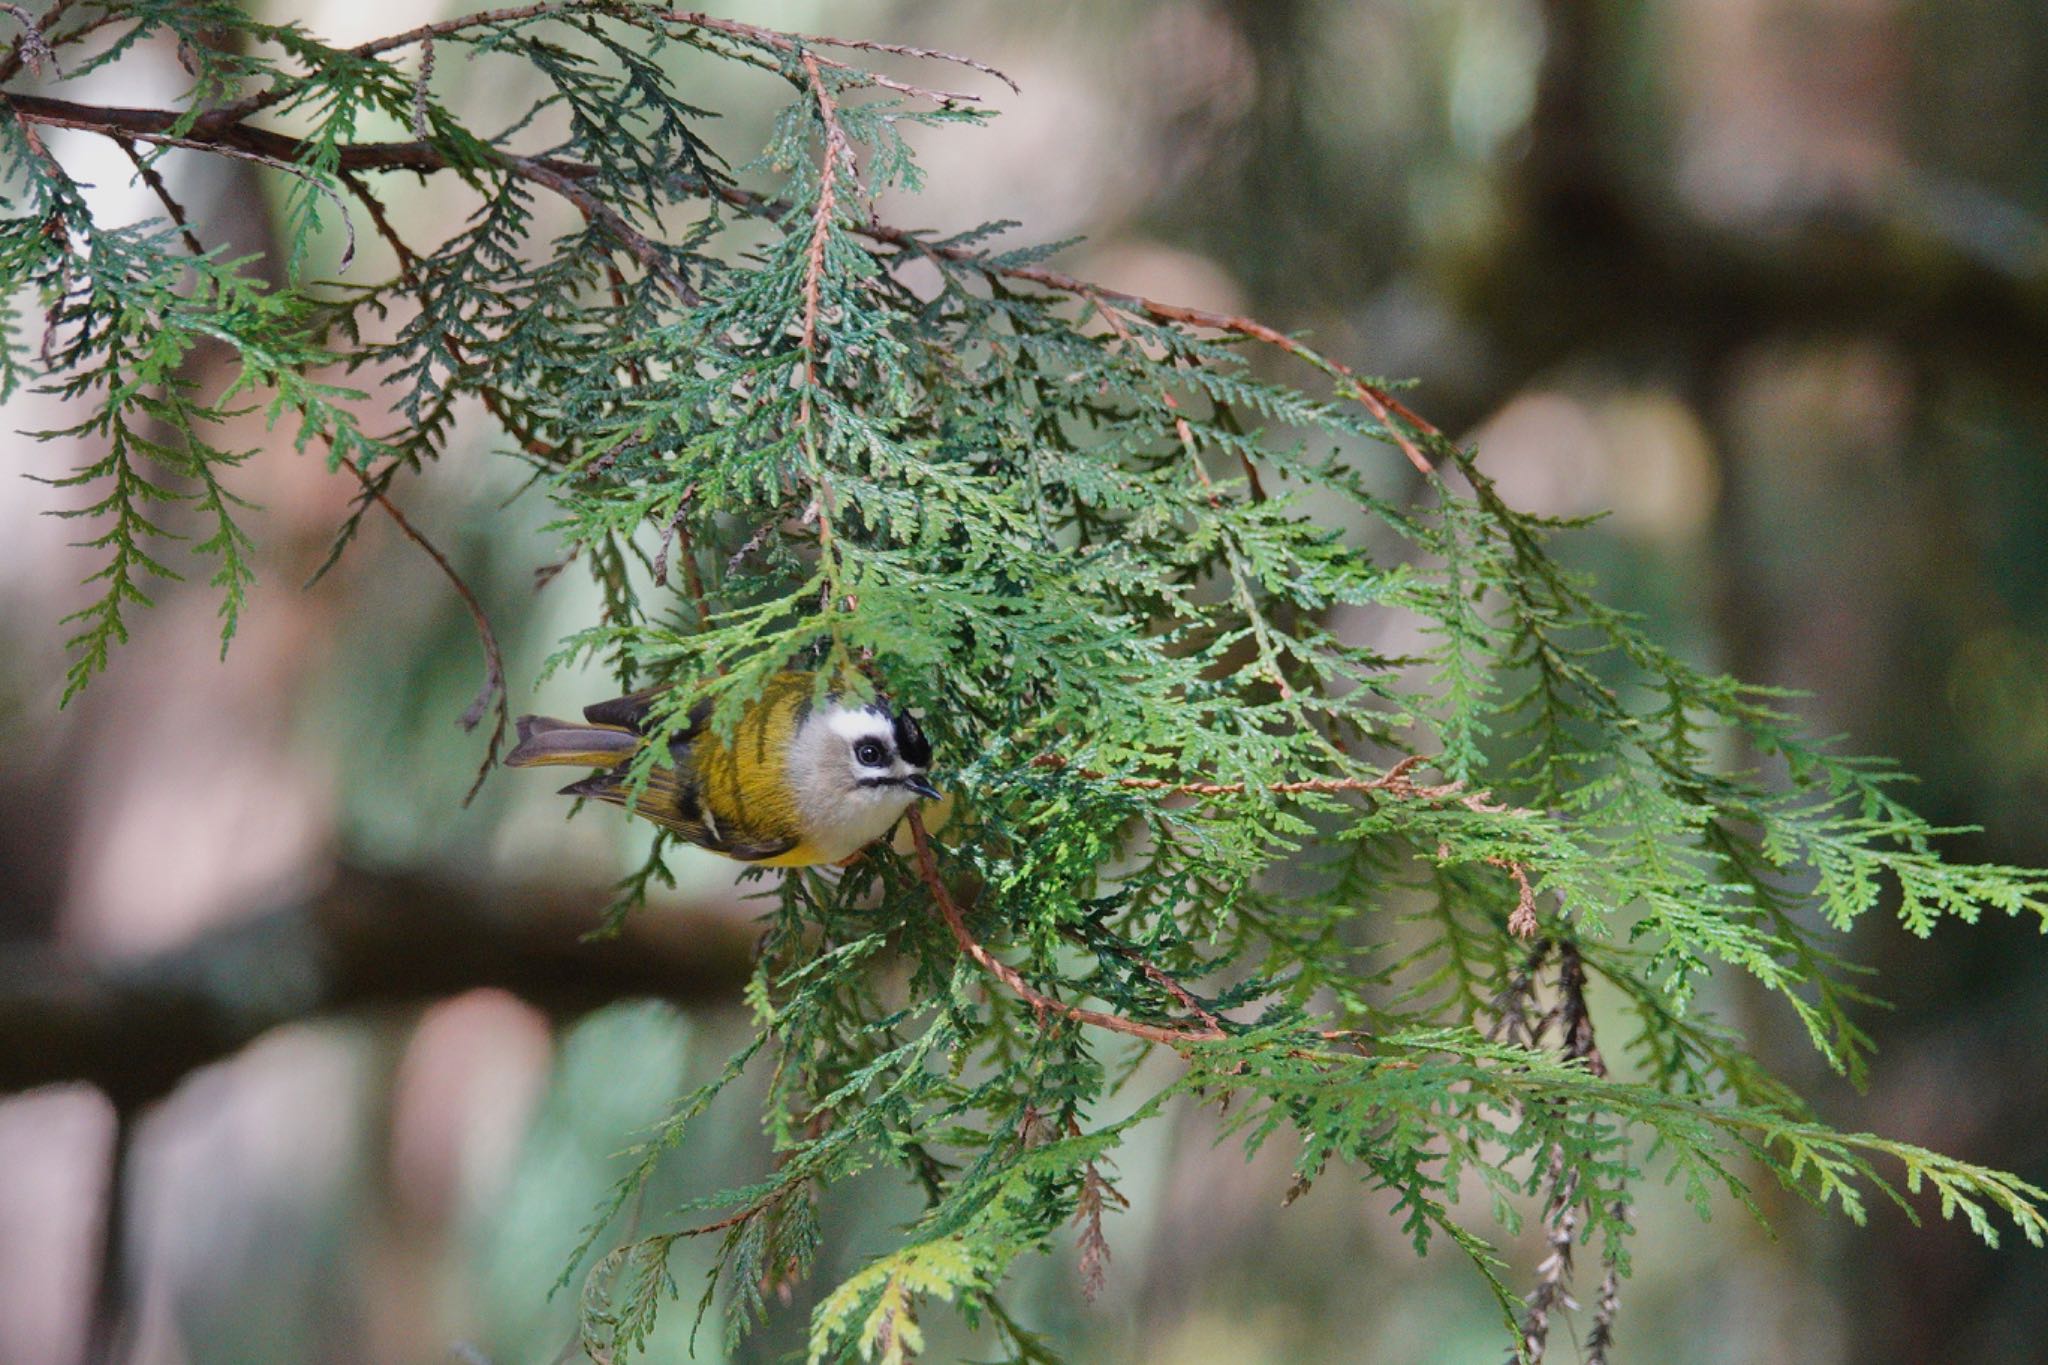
(545, 741)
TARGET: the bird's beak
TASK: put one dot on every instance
(922, 786)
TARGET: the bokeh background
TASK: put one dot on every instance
(311, 1065)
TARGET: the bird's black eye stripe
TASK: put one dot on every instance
(869, 753)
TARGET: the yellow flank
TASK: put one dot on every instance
(742, 786)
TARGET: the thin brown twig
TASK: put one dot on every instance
(956, 923)
(1154, 972)
(408, 267)
(1172, 987)
(733, 1220)
(1227, 419)
(228, 115)
(773, 39)
(637, 243)
(693, 578)
(262, 158)
(156, 184)
(801, 45)
(408, 259)
(907, 50)
(494, 659)
(836, 150)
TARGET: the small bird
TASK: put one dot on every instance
(798, 784)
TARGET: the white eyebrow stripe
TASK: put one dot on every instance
(851, 725)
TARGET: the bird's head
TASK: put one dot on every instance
(880, 754)
(859, 766)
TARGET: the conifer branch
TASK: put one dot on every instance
(408, 274)
(282, 153)
(1395, 781)
(1240, 572)
(1383, 405)
(494, 687)
(1040, 1002)
(636, 243)
(1403, 425)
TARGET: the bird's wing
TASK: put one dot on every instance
(671, 802)
(632, 710)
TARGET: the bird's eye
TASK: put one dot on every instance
(870, 754)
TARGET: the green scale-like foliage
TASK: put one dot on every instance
(1091, 545)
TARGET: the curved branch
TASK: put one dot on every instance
(949, 911)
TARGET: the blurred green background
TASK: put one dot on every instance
(1768, 278)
